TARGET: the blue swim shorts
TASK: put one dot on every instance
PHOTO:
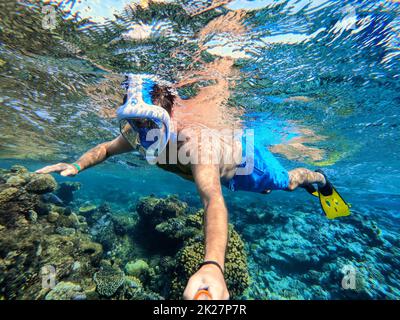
(258, 171)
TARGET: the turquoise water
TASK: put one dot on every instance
(317, 80)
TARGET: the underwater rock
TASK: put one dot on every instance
(66, 291)
(303, 256)
(66, 191)
(104, 208)
(18, 169)
(32, 216)
(69, 221)
(123, 250)
(34, 234)
(93, 249)
(123, 224)
(60, 251)
(135, 291)
(138, 268)
(75, 220)
(177, 228)
(16, 181)
(53, 216)
(30, 249)
(28, 242)
(154, 215)
(15, 203)
(153, 211)
(41, 183)
(103, 232)
(64, 231)
(67, 211)
(52, 198)
(178, 244)
(8, 194)
(108, 280)
(42, 209)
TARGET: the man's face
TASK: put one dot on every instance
(144, 124)
(144, 127)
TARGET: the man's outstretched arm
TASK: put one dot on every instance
(209, 276)
(94, 156)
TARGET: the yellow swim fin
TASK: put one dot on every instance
(334, 205)
(331, 201)
(311, 190)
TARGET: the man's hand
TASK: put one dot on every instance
(94, 156)
(208, 277)
(65, 169)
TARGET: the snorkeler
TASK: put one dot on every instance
(150, 124)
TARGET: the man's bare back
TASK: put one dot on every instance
(225, 151)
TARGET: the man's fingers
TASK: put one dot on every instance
(48, 169)
(215, 294)
(189, 292)
(191, 289)
(59, 167)
(42, 170)
(68, 172)
(218, 293)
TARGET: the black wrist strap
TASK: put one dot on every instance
(212, 262)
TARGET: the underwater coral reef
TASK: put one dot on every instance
(54, 244)
(306, 256)
(53, 248)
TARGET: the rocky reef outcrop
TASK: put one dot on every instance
(36, 236)
(53, 252)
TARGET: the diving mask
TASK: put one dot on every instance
(140, 120)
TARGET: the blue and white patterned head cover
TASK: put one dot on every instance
(139, 105)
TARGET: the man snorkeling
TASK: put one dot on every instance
(151, 124)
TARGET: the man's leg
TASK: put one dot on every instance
(301, 177)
